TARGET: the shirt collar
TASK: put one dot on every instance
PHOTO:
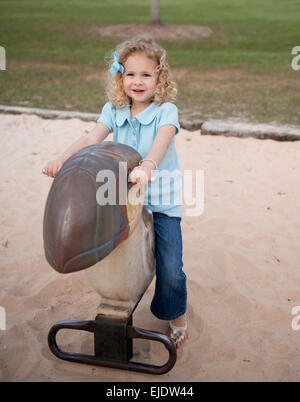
(144, 117)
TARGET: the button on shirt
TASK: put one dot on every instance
(163, 195)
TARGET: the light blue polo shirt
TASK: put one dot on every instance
(165, 194)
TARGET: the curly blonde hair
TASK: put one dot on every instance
(166, 89)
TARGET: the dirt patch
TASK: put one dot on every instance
(163, 31)
(87, 73)
(226, 78)
(24, 63)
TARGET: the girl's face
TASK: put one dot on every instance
(139, 79)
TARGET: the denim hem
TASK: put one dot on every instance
(167, 318)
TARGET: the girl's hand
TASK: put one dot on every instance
(140, 175)
(53, 167)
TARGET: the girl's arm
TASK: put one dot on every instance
(96, 135)
(163, 139)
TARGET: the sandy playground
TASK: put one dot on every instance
(241, 257)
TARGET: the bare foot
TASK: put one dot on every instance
(179, 322)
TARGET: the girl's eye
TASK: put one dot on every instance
(131, 74)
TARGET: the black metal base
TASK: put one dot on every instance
(113, 344)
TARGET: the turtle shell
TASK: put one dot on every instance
(78, 231)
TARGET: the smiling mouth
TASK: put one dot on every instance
(138, 91)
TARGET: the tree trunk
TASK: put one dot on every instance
(155, 12)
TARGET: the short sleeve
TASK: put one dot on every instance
(107, 116)
(169, 115)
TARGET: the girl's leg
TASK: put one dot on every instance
(170, 297)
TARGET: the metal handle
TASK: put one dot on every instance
(132, 332)
(70, 324)
(152, 180)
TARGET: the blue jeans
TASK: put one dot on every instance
(170, 297)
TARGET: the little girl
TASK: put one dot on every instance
(140, 114)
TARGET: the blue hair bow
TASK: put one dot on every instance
(116, 66)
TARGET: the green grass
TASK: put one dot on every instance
(242, 70)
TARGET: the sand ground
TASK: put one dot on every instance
(241, 257)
